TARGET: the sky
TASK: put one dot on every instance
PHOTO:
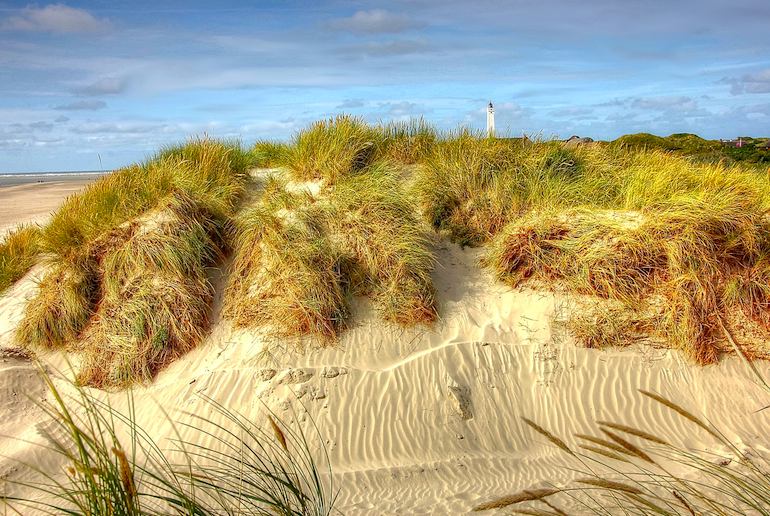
(100, 84)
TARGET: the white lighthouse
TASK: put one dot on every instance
(490, 120)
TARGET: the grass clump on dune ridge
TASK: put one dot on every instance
(286, 274)
(18, 253)
(330, 149)
(380, 230)
(299, 258)
(211, 172)
(689, 251)
(406, 142)
(112, 466)
(62, 308)
(128, 256)
(634, 226)
(464, 186)
(155, 294)
(471, 186)
(270, 154)
(632, 470)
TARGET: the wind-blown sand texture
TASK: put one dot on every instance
(416, 421)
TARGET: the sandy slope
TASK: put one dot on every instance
(428, 421)
(423, 421)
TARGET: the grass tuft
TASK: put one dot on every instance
(270, 154)
(300, 258)
(128, 285)
(18, 253)
(375, 222)
(61, 310)
(331, 149)
(286, 274)
(655, 476)
(407, 142)
(113, 466)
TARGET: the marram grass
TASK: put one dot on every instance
(62, 308)
(385, 244)
(286, 274)
(229, 464)
(691, 252)
(18, 253)
(331, 149)
(299, 259)
(406, 142)
(680, 243)
(155, 295)
(270, 154)
(127, 281)
(628, 470)
(211, 172)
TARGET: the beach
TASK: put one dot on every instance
(423, 420)
(31, 198)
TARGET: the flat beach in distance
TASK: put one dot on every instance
(31, 198)
(445, 416)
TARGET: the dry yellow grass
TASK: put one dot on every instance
(127, 284)
(299, 258)
(18, 253)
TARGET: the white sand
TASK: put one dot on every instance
(33, 203)
(422, 421)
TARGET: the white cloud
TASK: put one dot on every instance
(751, 83)
(103, 86)
(666, 103)
(375, 21)
(388, 48)
(83, 105)
(54, 18)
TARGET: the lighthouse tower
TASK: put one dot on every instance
(490, 120)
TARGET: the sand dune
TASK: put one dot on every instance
(425, 420)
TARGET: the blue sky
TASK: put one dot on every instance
(84, 83)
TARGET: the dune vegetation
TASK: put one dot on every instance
(681, 245)
(629, 470)
(671, 247)
(649, 244)
(751, 151)
(111, 465)
(18, 253)
(299, 258)
(127, 258)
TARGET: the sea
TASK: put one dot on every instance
(13, 179)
